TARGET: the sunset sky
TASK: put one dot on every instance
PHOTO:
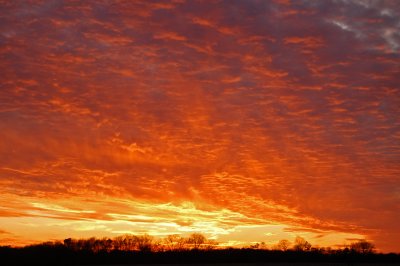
(247, 121)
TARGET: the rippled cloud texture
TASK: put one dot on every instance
(244, 120)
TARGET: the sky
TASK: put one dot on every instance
(246, 121)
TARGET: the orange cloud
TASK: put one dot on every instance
(240, 120)
(170, 36)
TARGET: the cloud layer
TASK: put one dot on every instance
(190, 116)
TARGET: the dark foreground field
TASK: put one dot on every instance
(63, 256)
(258, 264)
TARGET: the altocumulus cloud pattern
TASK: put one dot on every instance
(244, 120)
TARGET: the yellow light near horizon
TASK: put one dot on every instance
(45, 221)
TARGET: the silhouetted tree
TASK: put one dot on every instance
(196, 240)
(283, 245)
(362, 246)
(210, 244)
(175, 242)
(119, 243)
(68, 243)
(300, 244)
(130, 242)
(103, 245)
(144, 242)
(107, 244)
(260, 245)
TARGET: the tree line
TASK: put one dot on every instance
(143, 243)
(195, 241)
(196, 248)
